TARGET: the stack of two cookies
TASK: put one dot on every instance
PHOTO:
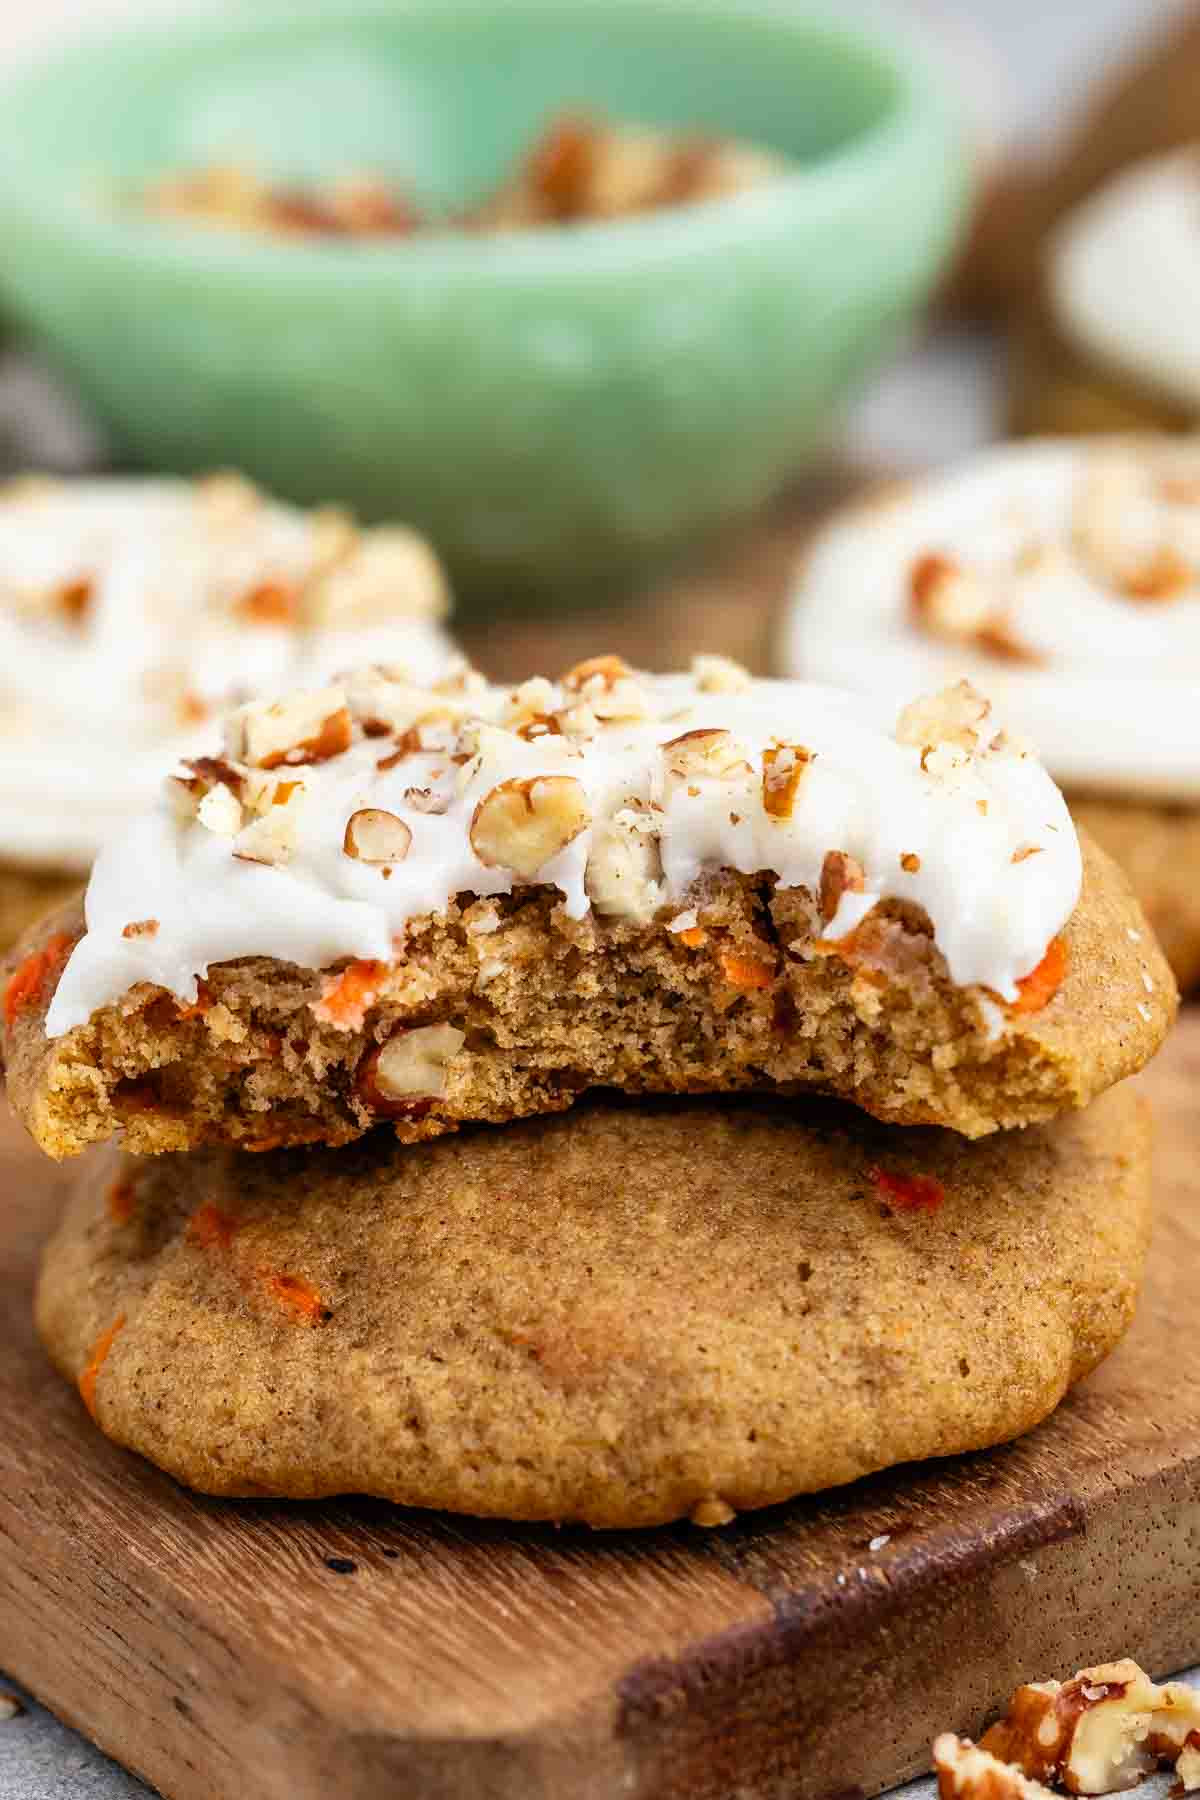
(541, 1010)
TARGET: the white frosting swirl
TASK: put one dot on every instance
(92, 705)
(1124, 274)
(977, 836)
(1052, 533)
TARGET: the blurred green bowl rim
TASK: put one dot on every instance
(922, 105)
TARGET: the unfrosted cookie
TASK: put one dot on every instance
(1063, 578)
(133, 611)
(472, 904)
(633, 1314)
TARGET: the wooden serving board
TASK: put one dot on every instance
(290, 1652)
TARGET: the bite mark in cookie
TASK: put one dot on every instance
(681, 887)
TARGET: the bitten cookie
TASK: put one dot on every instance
(439, 906)
(133, 611)
(1064, 579)
(644, 1311)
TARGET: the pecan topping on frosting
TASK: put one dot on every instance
(957, 603)
(638, 790)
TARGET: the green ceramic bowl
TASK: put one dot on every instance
(556, 407)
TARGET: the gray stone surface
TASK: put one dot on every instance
(41, 1760)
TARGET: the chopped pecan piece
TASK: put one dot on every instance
(522, 824)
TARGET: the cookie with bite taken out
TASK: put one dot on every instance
(453, 904)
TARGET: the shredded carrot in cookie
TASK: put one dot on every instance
(296, 1296)
(695, 937)
(744, 971)
(1038, 988)
(345, 998)
(200, 1004)
(910, 1193)
(96, 1361)
(29, 978)
(120, 1200)
(211, 1228)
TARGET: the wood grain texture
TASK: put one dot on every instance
(213, 1649)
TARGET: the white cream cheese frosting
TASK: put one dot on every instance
(1061, 577)
(1124, 274)
(132, 611)
(337, 817)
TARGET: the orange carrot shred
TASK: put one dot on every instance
(120, 1200)
(211, 1228)
(744, 972)
(296, 1296)
(910, 1193)
(1039, 987)
(29, 977)
(346, 997)
(695, 937)
(200, 1004)
(96, 1361)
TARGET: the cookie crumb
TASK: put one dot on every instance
(712, 1512)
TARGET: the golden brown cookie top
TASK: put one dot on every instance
(624, 1315)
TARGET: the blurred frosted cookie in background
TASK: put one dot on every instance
(1113, 342)
(1105, 88)
(133, 610)
(1064, 578)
